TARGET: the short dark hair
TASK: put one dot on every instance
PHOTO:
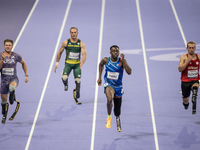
(114, 46)
(74, 28)
(191, 42)
(8, 40)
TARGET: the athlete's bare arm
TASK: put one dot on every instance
(2, 59)
(184, 60)
(84, 54)
(125, 64)
(24, 67)
(64, 44)
(101, 66)
(199, 57)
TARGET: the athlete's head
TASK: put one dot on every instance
(191, 42)
(8, 45)
(114, 51)
(73, 32)
(8, 40)
(191, 47)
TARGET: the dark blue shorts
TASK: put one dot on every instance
(5, 85)
(118, 90)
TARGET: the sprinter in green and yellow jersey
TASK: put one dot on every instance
(74, 48)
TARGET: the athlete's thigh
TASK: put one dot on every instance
(4, 97)
(67, 69)
(15, 82)
(110, 92)
(119, 92)
(77, 71)
(4, 87)
(195, 83)
(185, 87)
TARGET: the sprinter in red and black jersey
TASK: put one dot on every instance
(189, 68)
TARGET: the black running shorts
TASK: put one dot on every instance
(186, 88)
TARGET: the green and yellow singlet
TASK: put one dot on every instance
(73, 52)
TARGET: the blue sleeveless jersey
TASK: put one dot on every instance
(113, 74)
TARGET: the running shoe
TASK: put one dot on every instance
(108, 123)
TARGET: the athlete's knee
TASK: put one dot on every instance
(109, 101)
(64, 77)
(194, 90)
(78, 83)
(78, 80)
(3, 101)
(12, 88)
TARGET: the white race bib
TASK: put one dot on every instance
(8, 71)
(73, 55)
(113, 75)
(192, 73)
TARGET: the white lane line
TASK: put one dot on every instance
(147, 76)
(97, 75)
(178, 22)
(24, 26)
(48, 75)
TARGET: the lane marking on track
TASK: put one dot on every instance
(26, 22)
(48, 75)
(97, 75)
(178, 22)
(147, 76)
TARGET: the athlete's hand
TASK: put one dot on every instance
(189, 58)
(55, 68)
(122, 56)
(26, 79)
(3, 56)
(99, 82)
(81, 64)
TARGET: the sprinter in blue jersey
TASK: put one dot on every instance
(114, 67)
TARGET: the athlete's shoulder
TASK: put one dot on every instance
(104, 60)
(198, 56)
(183, 56)
(65, 43)
(16, 54)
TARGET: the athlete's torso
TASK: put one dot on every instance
(191, 72)
(113, 73)
(8, 69)
(73, 51)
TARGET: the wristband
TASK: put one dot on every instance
(57, 63)
(26, 75)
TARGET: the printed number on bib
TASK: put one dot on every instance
(192, 73)
(73, 55)
(8, 71)
(113, 75)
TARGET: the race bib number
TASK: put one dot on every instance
(73, 55)
(8, 71)
(192, 73)
(113, 75)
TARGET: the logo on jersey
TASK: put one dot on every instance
(9, 61)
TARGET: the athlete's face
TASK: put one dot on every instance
(114, 53)
(73, 33)
(8, 47)
(191, 49)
